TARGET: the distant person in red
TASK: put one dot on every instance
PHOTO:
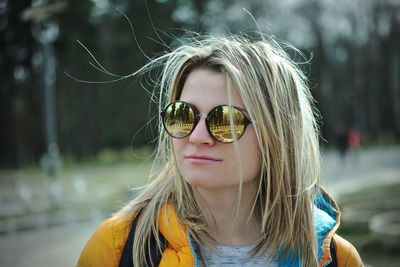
(354, 141)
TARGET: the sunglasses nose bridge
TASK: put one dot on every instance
(201, 115)
(198, 116)
(199, 135)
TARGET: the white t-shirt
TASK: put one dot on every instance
(235, 257)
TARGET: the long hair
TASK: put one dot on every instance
(274, 91)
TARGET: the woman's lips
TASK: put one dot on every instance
(201, 159)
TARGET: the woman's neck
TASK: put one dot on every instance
(228, 225)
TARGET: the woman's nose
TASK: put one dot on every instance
(200, 134)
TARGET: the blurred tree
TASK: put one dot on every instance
(94, 116)
(20, 97)
(90, 116)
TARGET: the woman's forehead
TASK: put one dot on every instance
(208, 87)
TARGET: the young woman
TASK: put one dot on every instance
(239, 187)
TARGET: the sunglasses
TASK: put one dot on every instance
(180, 118)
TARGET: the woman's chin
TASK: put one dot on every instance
(206, 182)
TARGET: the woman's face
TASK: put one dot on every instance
(202, 161)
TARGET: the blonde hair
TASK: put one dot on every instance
(275, 93)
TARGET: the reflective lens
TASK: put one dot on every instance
(219, 125)
(180, 118)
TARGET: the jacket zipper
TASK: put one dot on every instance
(193, 250)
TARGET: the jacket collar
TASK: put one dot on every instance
(173, 231)
(326, 222)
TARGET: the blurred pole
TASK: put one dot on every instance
(46, 31)
(46, 34)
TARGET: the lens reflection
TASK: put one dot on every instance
(219, 123)
(179, 119)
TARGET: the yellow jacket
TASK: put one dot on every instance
(106, 245)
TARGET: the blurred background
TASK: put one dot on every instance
(70, 151)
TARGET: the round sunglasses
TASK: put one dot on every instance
(180, 118)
